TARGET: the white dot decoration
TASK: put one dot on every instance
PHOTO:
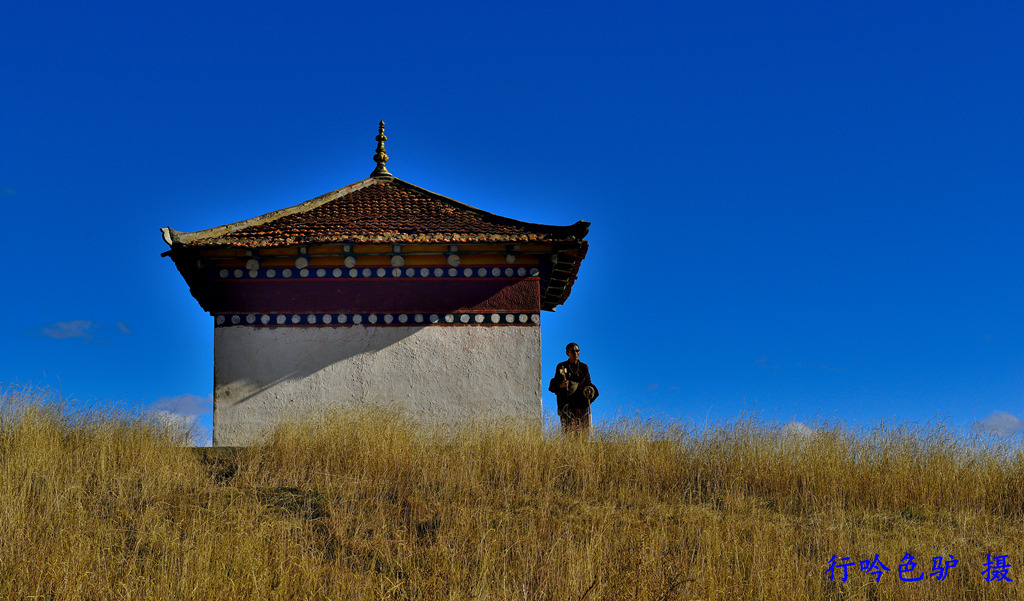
(468, 272)
(535, 318)
(301, 262)
(418, 318)
(304, 272)
(357, 319)
(523, 318)
(478, 318)
(509, 271)
(449, 318)
(253, 273)
(521, 271)
(252, 264)
(453, 272)
(220, 319)
(438, 272)
(264, 319)
(250, 318)
(235, 319)
(495, 318)
(238, 273)
(453, 260)
(510, 318)
(296, 319)
(223, 273)
(434, 318)
(397, 261)
(464, 318)
(396, 272)
(353, 273)
(366, 272)
(336, 273)
(424, 271)
(534, 271)
(327, 319)
(271, 273)
(321, 273)
(380, 272)
(342, 318)
(281, 319)
(482, 271)
(286, 273)
(510, 258)
(372, 319)
(410, 272)
(388, 319)
(311, 319)
(496, 271)
(403, 318)
(350, 262)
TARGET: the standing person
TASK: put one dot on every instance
(574, 391)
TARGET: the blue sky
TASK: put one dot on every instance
(811, 212)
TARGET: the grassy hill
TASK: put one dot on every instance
(108, 506)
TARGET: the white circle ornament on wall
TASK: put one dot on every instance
(321, 272)
(220, 319)
(336, 273)
(224, 273)
(235, 319)
(418, 318)
(350, 261)
(495, 318)
(357, 319)
(403, 318)
(296, 319)
(304, 273)
(286, 273)
(301, 262)
(388, 318)
(264, 319)
(281, 319)
(271, 273)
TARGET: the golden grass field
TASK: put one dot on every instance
(98, 505)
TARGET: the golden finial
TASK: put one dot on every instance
(381, 157)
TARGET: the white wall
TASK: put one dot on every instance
(447, 374)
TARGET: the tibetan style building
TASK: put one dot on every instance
(378, 293)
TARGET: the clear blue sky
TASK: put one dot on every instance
(809, 210)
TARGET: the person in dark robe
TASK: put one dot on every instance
(574, 391)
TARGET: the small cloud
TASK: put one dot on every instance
(999, 423)
(183, 412)
(79, 328)
(653, 386)
(123, 327)
(798, 429)
(763, 362)
(184, 403)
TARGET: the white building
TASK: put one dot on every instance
(380, 292)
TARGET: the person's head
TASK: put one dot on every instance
(572, 351)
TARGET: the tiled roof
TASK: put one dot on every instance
(377, 210)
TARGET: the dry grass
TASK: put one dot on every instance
(368, 506)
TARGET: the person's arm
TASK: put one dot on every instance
(585, 376)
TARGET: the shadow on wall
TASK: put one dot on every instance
(255, 361)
